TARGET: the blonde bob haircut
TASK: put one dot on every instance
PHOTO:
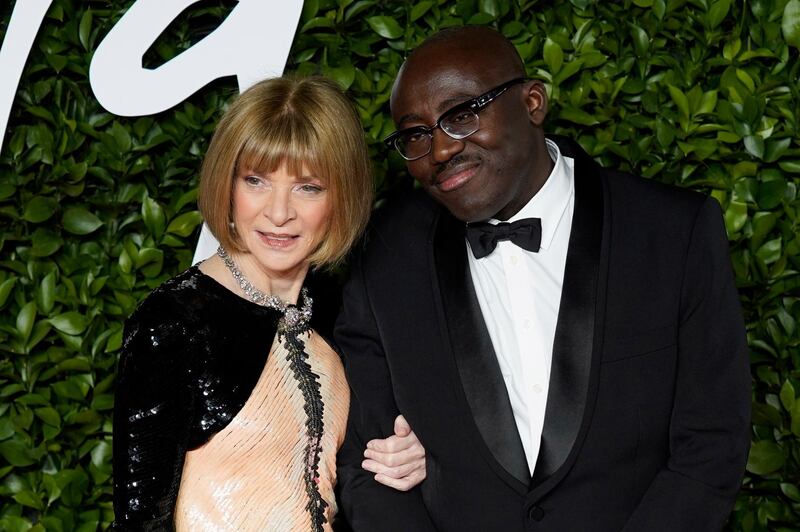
(292, 121)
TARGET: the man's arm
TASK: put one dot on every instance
(710, 425)
(367, 504)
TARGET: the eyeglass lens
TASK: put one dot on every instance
(458, 124)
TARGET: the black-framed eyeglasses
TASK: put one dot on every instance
(458, 122)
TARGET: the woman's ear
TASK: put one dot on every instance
(536, 101)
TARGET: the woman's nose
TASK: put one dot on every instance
(279, 208)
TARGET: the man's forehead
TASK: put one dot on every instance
(437, 87)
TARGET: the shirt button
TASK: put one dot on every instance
(514, 260)
(538, 388)
(526, 323)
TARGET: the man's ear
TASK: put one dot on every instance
(536, 101)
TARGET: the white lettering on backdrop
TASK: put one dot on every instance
(25, 20)
(252, 43)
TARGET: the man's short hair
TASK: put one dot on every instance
(292, 121)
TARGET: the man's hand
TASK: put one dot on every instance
(397, 461)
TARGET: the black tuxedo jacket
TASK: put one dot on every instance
(647, 418)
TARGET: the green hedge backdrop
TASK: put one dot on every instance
(96, 210)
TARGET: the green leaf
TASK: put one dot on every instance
(45, 242)
(735, 217)
(39, 209)
(385, 26)
(770, 193)
(792, 167)
(70, 322)
(489, 7)
(770, 251)
(16, 453)
(71, 388)
(553, 56)
(185, 224)
(419, 9)
(787, 395)
(754, 146)
(680, 100)
(717, 13)
(28, 498)
(641, 42)
(121, 136)
(791, 491)
(25, 320)
(5, 289)
(790, 23)
(47, 293)
(79, 221)
(153, 216)
(317, 22)
(577, 116)
(49, 415)
(344, 75)
(85, 28)
(765, 457)
(101, 453)
(795, 415)
(774, 149)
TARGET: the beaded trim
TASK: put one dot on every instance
(308, 384)
(294, 322)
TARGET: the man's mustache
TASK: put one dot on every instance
(458, 160)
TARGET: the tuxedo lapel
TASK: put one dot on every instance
(575, 342)
(478, 369)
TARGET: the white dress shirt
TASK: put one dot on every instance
(519, 294)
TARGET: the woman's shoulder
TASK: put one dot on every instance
(168, 312)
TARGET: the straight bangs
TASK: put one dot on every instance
(288, 141)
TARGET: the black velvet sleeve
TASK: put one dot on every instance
(151, 417)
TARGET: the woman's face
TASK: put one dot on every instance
(280, 218)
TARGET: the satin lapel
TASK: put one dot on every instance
(571, 370)
(474, 355)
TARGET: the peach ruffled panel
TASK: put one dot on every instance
(249, 476)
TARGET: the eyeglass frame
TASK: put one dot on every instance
(475, 105)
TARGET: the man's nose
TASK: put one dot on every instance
(279, 209)
(443, 146)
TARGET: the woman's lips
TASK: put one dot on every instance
(450, 180)
(278, 240)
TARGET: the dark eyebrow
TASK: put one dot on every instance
(445, 105)
(449, 103)
(409, 116)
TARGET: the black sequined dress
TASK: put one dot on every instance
(193, 353)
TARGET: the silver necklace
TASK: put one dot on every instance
(293, 316)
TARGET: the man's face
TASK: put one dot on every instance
(488, 174)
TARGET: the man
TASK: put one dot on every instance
(581, 368)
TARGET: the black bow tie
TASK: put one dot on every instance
(483, 236)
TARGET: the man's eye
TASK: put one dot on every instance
(411, 138)
(460, 117)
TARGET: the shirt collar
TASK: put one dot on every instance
(551, 202)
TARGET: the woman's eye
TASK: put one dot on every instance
(309, 188)
(252, 180)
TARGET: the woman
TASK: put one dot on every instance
(230, 406)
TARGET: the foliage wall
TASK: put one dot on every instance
(96, 210)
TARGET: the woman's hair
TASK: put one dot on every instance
(296, 122)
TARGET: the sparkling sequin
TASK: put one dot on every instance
(192, 355)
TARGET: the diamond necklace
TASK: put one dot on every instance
(293, 316)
